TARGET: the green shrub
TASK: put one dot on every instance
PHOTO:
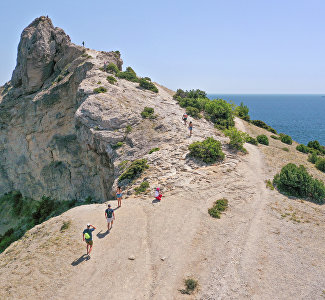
(218, 207)
(112, 68)
(100, 89)
(190, 285)
(122, 165)
(263, 139)
(312, 157)
(99, 82)
(295, 181)
(320, 164)
(128, 129)
(269, 184)
(242, 111)
(302, 148)
(261, 124)
(148, 85)
(134, 170)
(60, 77)
(285, 149)
(111, 79)
(128, 74)
(193, 112)
(18, 202)
(275, 137)
(198, 103)
(147, 78)
(285, 138)
(148, 113)
(208, 151)
(142, 188)
(154, 150)
(117, 53)
(65, 225)
(237, 138)
(44, 209)
(251, 140)
(220, 113)
(117, 145)
(314, 145)
(190, 94)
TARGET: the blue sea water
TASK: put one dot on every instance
(300, 116)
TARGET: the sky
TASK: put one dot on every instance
(227, 47)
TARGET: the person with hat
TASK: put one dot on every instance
(88, 237)
(158, 194)
(110, 217)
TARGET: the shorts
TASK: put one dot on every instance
(184, 119)
(118, 195)
(89, 242)
(109, 220)
(190, 128)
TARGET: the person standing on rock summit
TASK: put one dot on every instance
(88, 237)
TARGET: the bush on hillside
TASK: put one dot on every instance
(237, 138)
(320, 164)
(312, 157)
(218, 207)
(128, 74)
(302, 148)
(242, 111)
(148, 85)
(111, 79)
(112, 68)
(314, 145)
(134, 170)
(275, 137)
(100, 89)
(252, 141)
(147, 78)
(208, 151)
(263, 139)
(220, 113)
(193, 112)
(190, 94)
(295, 181)
(262, 124)
(285, 138)
(142, 188)
(148, 113)
(154, 150)
(285, 149)
(198, 103)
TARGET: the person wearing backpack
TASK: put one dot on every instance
(185, 118)
(110, 217)
(88, 237)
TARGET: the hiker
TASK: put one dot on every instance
(88, 236)
(158, 194)
(190, 127)
(105, 65)
(185, 118)
(110, 217)
(83, 44)
(119, 196)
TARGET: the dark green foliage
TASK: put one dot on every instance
(263, 139)
(117, 145)
(242, 112)
(314, 145)
(313, 157)
(154, 150)
(220, 113)
(18, 202)
(261, 124)
(44, 209)
(134, 170)
(237, 138)
(60, 77)
(275, 137)
(295, 181)
(142, 188)
(320, 164)
(147, 78)
(128, 74)
(208, 151)
(285, 149)
(148, 85)
(99, 82)
(302, 148)
(193, 112)
(190, 94)
(117, 53)
(218, 207)
(112, 68)
(128, 129)
(190, 285)
(148, 113)
(285, 139)
(111, 79)
(100, 89)
(252, 141)
(198, 103)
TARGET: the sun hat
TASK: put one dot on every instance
(88, 224)
(157, 189)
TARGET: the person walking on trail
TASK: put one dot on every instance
(110, 217)
(158, 194)
(88, 237)
(190, 127)
(119, 196)
(185, 116)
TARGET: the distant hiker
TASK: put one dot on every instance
(158, 194)
(185, 118)
(109, 215)
(119, 196)
(190, 127)
(88, 237)
(83, 44)
(105, 65)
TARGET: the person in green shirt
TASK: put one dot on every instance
(88, 237)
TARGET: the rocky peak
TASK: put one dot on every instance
(43, 50)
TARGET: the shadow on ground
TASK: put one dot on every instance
(78, 261)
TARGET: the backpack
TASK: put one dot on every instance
(109, 213)
(87, 236)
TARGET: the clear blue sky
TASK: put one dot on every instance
(233, 46)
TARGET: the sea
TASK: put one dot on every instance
(300, 116)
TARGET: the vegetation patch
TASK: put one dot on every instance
(242, 112)
(252, 140)
(262, 124)
(142, 188)
(285, 149)
(193, 112)
(112, 68)
(302, 148)
(209, 150)
(117, 145)
(285, 139)
(237, 138)
(296, 181)
(263, 139)
(128, 74)
(100, 89)
(275, 137)
(111, 79)
(269, 184)
(128, 129)
(148, 85)
(134, 170)
(65, 225)
(312, 157)
(148, 113)
(122, 165)
(154, 150)
(320, 164)
(190, 286)
(218, 207)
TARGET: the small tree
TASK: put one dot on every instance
(237, 138)
(263, 139)
(209, 150)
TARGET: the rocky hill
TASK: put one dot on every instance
(62, 139)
